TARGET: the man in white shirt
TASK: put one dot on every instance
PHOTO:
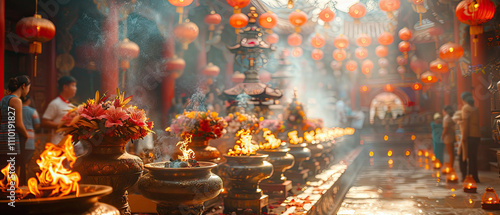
(59, 107)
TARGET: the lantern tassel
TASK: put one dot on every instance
(180, 10)
(123, 79)
(475, 40)
(34, 69)
(420, 15)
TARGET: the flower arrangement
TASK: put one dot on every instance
(273, 125)
(238, 121)
(198, 124)
(106, 117)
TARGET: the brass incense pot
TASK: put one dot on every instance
(300, 153)
(281, 161)
(180, 191)
(316, 149)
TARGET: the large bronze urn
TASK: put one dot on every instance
(281, 161)
(203, 151)
(180, 191)
(300, 154)
(107, 163)
(243, 174)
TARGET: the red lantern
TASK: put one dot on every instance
(37, 30)
(294, 39)
(268, 20)
(382, 72)
(238, 77)
(364, 89)
(419, 8)
(180, 4)
(366, 67)
(357, 11)
(318, 41)
(363, 40)
(212, 20)
(326, 15)
(401, 70)
(418, 1)
(416, 86)
(475, 13)
(272, 38)
(418, 66)
(428, 78)
(126, 50)
(451, 52)
(389, 6)
(351, 65)
(383, 62)
(186, 33)
(237, 4)
(211, 70)
(317, 54)
(385, 38)
(381, 51)
(238, 20)
(388, 88)
(341, 41)
(339, 54)
(176, 66)
(401, 60)
(264, 77)
(405, 47)
(297, 18)
(297, 52)
(361, 53)
(438, 66)
(405, 34)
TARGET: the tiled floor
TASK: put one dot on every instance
(406, 188)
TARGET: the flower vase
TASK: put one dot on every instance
(108, 163)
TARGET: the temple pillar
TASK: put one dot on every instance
(109, 67)
(168, 83)
(2, 44)
(463, 84)
(480, 81)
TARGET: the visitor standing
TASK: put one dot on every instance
(471, 137)
(31, 122)
(13, 134)
(448, 135)
(437, 131)
(58, 107)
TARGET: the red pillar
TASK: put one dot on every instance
(229, 73)
(463, 84)
(2, 44)
(109, 67)
(480, 82)
(168, 84)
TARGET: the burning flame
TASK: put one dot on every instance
(186, 153)
(309, 137)
(294, 138)
(349, 131)
(8, 179)
(244, 145)
(321, 135)
(272, 141)
(55, 177)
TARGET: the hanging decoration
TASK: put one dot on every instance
(357, 11)
(418, 66)
(388, 88)
(364, 89)
(475, 13)
(297, 52)
(297, 18)
(212, 19)
(341, 41)
(385, 38)
(383, 62)
(401, 71)
(418, 7)
(326, 15)
(294, 39)
(382, 72)
(351, 65)
(238, 21)
(186, 33)
(236, 4)
(318, 41)
(405, 34)
(428, 78)
(363, 40)
(268, 21)
(180, 4)
(404, 47)
(416, 86)
(290, 4)
(366, 67)
(451, 53)
(211, 70)
(264, 77)
(176, 66)
(317, 54)
(126, 51)
(238, 77)
(272, 38)
(36, 30)
(389, 6)
(339, 54)
(438, 66)
(381, 51)
(361, 53)
(401, 60)
(435, 31)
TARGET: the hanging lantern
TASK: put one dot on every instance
(385, 38)
(401, 60)
(318, 41)
(237, 5)
(435, 31)
(388, 88)
(428, 78)
(341, 41)
(317, 54)
(176, 66)
(364, 89)
(238, 20)
(418, 66)
(357, 11)
(211, 70)
(212, 20)
(351, 65)
(401, 71)
(294, 39)
(366, 67)
(363, 40)
(126, 50)
(451, 52)
(383, 62)
(264, 77)
(326, 15)
(297, 18)
(438, 66)
(335, 65)
(339, 54)
(297, 52)
(389, 6)
(489, 201)
(381, 51)
(268, 20)
(418, 7)
(469, 184)
(290, 4)
(405, 34)
(238, 77)
(475, 13)
(416, 86)
(361, 53)
(382, 72)
(272, 38)
(404, 47)
(186, 33)
(37, 30)
(180, 4)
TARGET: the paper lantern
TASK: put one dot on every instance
(363, 40)
(364, 89)
(317, 54)
(318, 41)
(383, 62)
(388, 88)
(180, 4)
(405, 34)
(416, 86)
(475, 13)
(389, 6)
(294, 39)
(186, 33)
(264, 77)
(326, 15)
(404, 47)
(126, 50)
(212, 19)
(238, 20)
(297, 18)
(238, 77)
(176, 66)
(339, 54)
(366, 67)
(382, 72)
(351, 65)
(297, 52)
(451, 52)
(490, 201)
(341, 41)
(401, 60)
(385, 38)
(357, 11)
(418, 6)
(361, 53)
(268, 20)
(211, 70)
(438, 66)
(428, 78)
(401, 71)
(381, 51)
(418, 66)
(272, 38)
(238, 4)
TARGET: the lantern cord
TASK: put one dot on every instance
(35, 65)
(123, 79)
(36, 11)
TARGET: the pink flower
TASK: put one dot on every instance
(115, 116)
(92, 112)
(137, 117)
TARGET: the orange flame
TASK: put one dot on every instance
(244, 145)
(349, 131)
(186, 153)
(309, 136)
(272, 141)
(8, 179)
(55, 177)
(321, 135)
(294, 138)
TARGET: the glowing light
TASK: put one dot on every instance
(389, 153)
(386, 137)
(290, 4)
(272, 141)
(426, 154)
(371, 153)
(413, 138)
(390, 161)
(407, 153)
(186, 153)
(419, 152)
(244, 145)
(294, 138)
(451, 49)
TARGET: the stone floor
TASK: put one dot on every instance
(406, 188)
